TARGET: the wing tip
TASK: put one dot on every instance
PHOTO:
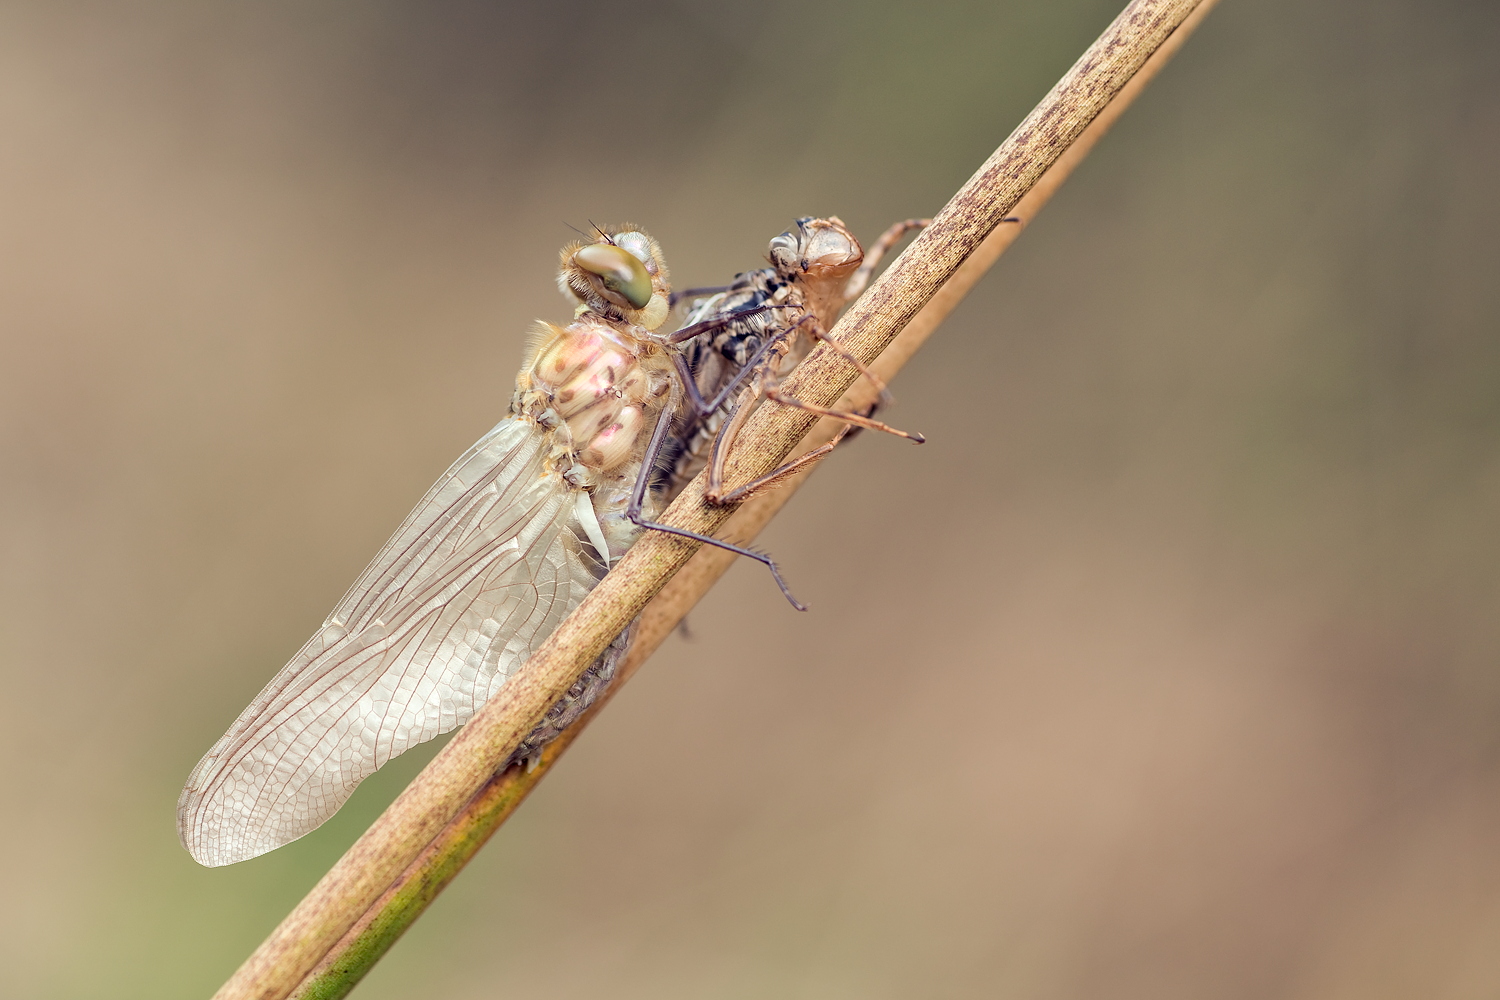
(201, 828)
(211, 850)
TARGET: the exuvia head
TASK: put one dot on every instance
(620, 273)
(817, 248)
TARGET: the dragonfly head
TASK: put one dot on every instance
(620, 273)
(821, 249)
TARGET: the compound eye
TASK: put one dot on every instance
(639, 245)
(621, 271)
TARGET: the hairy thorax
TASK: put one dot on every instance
(597, 388)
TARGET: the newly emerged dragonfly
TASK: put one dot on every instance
(497, 553)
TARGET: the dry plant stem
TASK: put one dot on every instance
(420, 814)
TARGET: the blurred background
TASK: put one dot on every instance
(1168, 668)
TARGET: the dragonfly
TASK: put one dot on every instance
(505, 544)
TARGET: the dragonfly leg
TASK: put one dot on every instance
(768, 388)
(760, 557)
(781, 473)
(718, 455)
(854, 432)
(704, 407)
(635, 511)
(714, 491)
(775, 394)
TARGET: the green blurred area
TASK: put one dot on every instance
(1167, 668)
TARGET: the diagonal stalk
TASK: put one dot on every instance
(421, 841)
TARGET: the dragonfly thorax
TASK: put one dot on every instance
(598, 389)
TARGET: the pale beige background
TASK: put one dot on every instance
(1168, 668)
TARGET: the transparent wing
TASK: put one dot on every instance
(482, 571)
